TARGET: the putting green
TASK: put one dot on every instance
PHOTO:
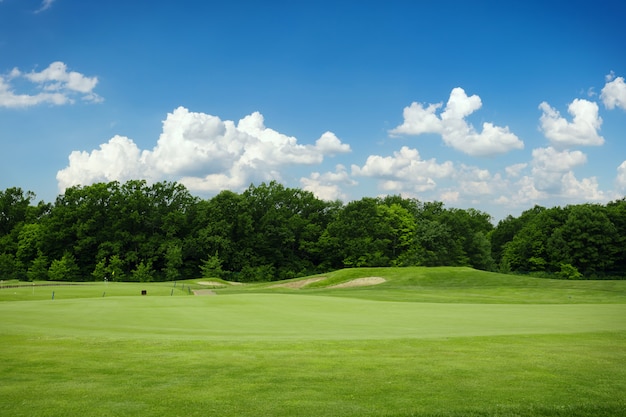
(267, 317)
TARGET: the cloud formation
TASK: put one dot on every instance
(614, 92)
(54, 85)
(455, 131)
(550, 166)
(201, 151)
(45, 5)
(404, 171)
(581, 131)
(621, 177)
(329, 185)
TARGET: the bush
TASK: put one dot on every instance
(569, 271)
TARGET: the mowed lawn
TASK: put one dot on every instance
(264, 351)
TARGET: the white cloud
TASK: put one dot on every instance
(329, 144)
(550, 160)
(45, 5)
(405, 170)
(418, 120)
(455, 131)
(8, 98)
(473, 182)
(202, 152)
(449, 197)
(56, 77)
(118, 159)
(614, 93)
(515, 170)
(328, 186)
(582, 131)
(523, 193)
(549, 167)
(54, 85)
(621, 177)
(585, 189)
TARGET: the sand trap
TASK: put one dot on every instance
(213, 283)
(298, 284)
(203, 292)
(360, 282)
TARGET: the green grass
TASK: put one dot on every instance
(44, 290)
(466, 285)
(254, 350)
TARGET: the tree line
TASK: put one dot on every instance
(135, 231)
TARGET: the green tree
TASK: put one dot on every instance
(360, 235)
(436, 244)
(586, 240)
(100, 271)
(528, 251)
(115, 269)
(143, 272)
(569, 271)
(29, 247)
(14, 207)
(212, 267)
(38, 270)
(616, 212)
(64, 269)
(173, 260)
(504, 232)
(8, 268)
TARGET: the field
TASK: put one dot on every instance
(415, 342)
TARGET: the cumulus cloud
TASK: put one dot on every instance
(202, 152)
(515, 169)
(404, 171)
(329, 144)
(418, 120)
(455, 131)
(54, 85)
(328, 186)
(551, 180)
(581, 131)
(474, 182)
(118, 159)
(585, 189)
(550, 165)
(614, 92)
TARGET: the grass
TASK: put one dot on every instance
(256, 350)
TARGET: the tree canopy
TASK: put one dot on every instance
(140, 231)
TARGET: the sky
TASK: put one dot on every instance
(492, 105)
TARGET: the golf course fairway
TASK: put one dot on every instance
(257, 350)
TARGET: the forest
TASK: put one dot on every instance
(135, 231)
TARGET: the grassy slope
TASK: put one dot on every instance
(465, 285)
(255, 350)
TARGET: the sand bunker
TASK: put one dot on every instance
(360, 282)
(212, 283)
(298, 284)
(203, 292)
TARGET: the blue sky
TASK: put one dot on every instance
(492, 105)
